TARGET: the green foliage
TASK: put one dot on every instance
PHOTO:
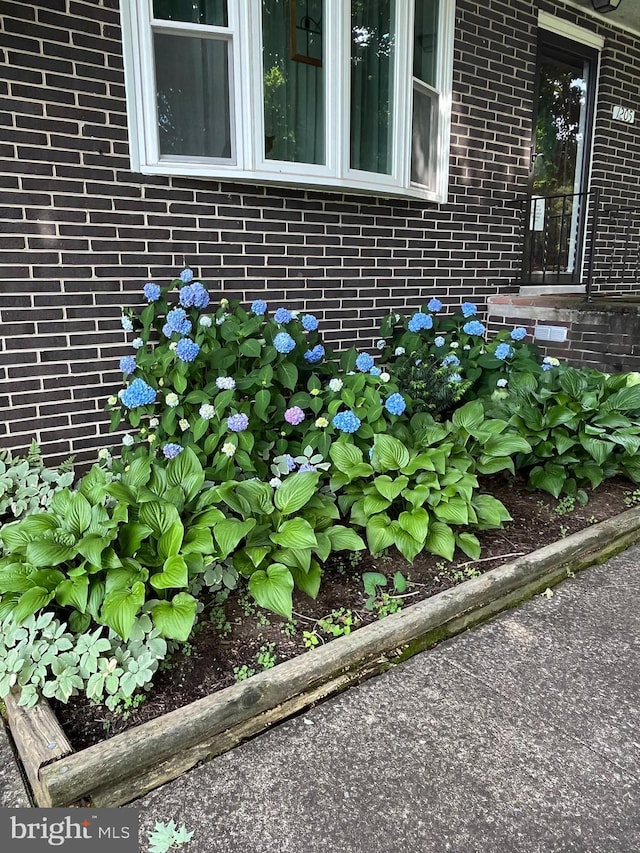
(168, 836)
(44, 655)
(241, 673)
(583, 427)
(338, 623)
(112, 549)
(452, 360)
(378, 598)
(26, 485)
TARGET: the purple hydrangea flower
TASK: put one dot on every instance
(186, 276)
(395, 405)
(449, 360)
(294, 415)
(364, 362)
(473, 327)
(283, 342)
(138, 394)
(309, 323)
(313, 356)
(420, 320)
(468, 309)
(503, 351)
(187, 350)
(306, 467)
(518, 334)
(127, 364)
(172, 450)
(434, 305)
(347, 422)
(282, 316)
(237, 423)
(152, 291)
(259, 307)
(291, 462)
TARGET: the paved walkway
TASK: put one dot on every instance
(520, 736)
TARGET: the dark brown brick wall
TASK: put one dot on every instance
(80, 233)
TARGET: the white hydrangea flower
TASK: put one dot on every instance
(104, 454)
(501, 383)
(225, 383)
(113, 400)
(399, 351)
(128, 440)
(384, 377)
(137, 343)
(336, 385)
(381, 344)
(172, 399)
(183, 423)
(206, 411)
(206, 321)
(454, 345)
(220, 320)
(275, 482)
(154, 422)
(151, 438)
(173, 346)
(228, 449)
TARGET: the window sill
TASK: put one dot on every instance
(327, 183)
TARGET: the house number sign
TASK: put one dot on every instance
(624, 114)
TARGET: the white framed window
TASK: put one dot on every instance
(344, 94)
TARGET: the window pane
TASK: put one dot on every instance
(372, 57)
(425, 37)
(294, 115)
(213, 12)
(421, 138)
(192, 80)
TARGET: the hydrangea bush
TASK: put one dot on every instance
(238, 386)
(444, 359)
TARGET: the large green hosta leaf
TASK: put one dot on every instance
(174, 619)
(120, 607)
(273, 589)
(296, 491)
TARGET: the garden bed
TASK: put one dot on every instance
(197, 711)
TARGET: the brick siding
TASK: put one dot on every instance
(80, 233)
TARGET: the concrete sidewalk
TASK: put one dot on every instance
(520, 735)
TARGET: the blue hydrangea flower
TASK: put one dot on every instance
(283, 342)
(439, 341)
(468, 309)
(186, 276)
(127, 364)
(306, 467)
(282, 316)
(518, 334)
(375, 371)
(473, 327)
(395, 405)
(455, 377)
(419, 321)
(309, 322)
(186, 297)
(152, 291)
(434, 305)
(138, 394)
(172, 450)
(259, 307)
(449, 360)
(237, 423)
(364, 362)
(313, 356)
(290, 461)
(126, 323)
(503, 351)
(200, 295)
(177, 321)
(346, 422)
(187, 350)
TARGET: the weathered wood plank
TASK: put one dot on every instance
(39, 739)
(135, 752)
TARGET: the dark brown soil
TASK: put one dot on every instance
(232, 635)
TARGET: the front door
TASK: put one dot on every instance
(558, 183)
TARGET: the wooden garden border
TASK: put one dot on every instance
(134, 762)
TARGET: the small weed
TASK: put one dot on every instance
(241, 673)
(632, 498)
(338, 623)
(565, 505)
(247, 604)
(563, 531)
(263, 620)
(289, 629)
(310, 639)
(455, 575)
(266, 657)
(386, 604)
(128, 704)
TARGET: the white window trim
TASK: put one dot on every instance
(245, 37)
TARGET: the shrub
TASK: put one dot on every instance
(26, 485)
